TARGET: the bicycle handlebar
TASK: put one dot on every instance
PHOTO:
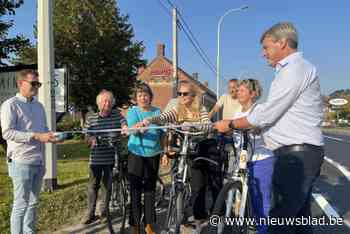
(187, 132)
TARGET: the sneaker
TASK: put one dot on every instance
(88, 219)
(199, 224)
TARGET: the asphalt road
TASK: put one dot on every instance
(330, 196)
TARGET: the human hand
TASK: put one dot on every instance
(92, 141)
(164, 161)
(145, 122)
(45, 137)
(124, 131)
(140, 125)
(222, 126)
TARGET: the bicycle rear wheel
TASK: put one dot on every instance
(227, 205)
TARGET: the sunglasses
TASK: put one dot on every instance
(184, 94)
(252, 82)
(34, 83)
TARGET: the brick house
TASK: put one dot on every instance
(159, 76)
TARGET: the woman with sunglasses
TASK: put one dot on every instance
(189, 110)
(261, 165)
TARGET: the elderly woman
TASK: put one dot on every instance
(189, 110)
(143, 160)
(261, 166)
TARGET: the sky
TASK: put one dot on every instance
(324, 35)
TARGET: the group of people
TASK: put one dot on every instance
(286, 163)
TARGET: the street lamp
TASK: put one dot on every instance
(218, 48)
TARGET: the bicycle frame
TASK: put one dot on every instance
(241, 174)
(179, 183)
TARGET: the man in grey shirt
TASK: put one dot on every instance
(291, 123)
(24, 127)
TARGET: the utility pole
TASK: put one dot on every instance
(47, 92)
(175, 57)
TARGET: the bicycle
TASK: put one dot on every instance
(119, 191)
(180, 190)
(120, 196)
(233, 200)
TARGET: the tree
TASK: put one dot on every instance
(9, 45)
(95, 42)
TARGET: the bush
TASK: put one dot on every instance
(343, 125)
(69, 124)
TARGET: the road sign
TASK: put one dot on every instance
(8, 88)
(338, 101)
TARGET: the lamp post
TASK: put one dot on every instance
(218, 46)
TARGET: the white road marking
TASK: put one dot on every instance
(336, 139)
(327, 208)
(340, 167)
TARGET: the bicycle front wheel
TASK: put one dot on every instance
(227, 207)
(119, 201)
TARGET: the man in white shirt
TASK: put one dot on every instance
(228, 102)
(291, 121)
(24, 127)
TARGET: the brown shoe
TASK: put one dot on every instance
(149, 229)
(135, 230)
(88, 219)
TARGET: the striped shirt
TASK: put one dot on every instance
(104, 153)
(171, 116)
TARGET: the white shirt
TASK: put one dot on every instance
(293, 112)
(20, 118)
(259, 148)
(229, 106)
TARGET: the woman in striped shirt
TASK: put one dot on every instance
(189, 110)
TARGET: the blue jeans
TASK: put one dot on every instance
(27, 180)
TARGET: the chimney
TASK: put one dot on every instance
(160, 50)
(206, 84)
(195, 75)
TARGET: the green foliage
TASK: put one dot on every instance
(68, 123)
(343, 111)
(96, 43)
(9, 45)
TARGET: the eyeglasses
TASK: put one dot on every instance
(34, 83)
(184, 94)
(252, 83)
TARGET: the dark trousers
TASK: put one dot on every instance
(143, 174)
(295, 173)
(96, 174)
(204, 176)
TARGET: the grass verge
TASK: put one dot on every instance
(345, 131)
(65, 205)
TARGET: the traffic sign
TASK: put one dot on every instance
(338, 101)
